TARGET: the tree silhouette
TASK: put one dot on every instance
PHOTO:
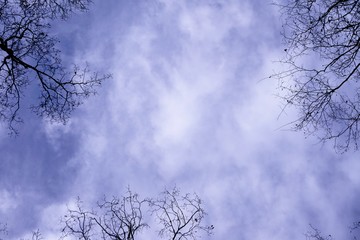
(315, 234)
(322, 44)
(57, 8)
(180, 217)
(36, 235)
(119, 218)
(28, 54)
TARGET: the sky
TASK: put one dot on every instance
(190, 105)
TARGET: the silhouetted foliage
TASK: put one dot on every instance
(322, 45)
(28, 54)
(180, 217)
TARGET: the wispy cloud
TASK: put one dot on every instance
(186, 106)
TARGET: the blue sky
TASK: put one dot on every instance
(189, 104)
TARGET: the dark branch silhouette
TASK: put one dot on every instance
(315, 234)
(28, 55)
(180, 217)
(321, 81)
(118, 219)
(36, 235)
(57, 8)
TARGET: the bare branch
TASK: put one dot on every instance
(57, 8)
(119, 218)
(180, 216)
(322, 56)
(28, 53)
(316, 234)
(78, 222)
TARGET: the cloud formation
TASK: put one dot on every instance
(187, 106)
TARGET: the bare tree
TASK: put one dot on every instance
(315, 233)
(78, 222)
(322, 58)
(36, 235)
(119, 219)
(57, 8)
(181, 217)
(28, 54)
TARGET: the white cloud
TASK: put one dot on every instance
(185, 106)
(8, 201)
